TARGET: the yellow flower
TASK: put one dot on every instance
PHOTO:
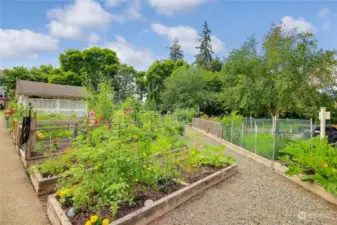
(325, 165)
(105, 222)
(93, 219)
(88, 222)
(62, 193)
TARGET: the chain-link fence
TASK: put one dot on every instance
(265, 137)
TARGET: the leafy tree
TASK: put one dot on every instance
(41, 74)
(242, 67)
(155, 77)
(123, 82)
(216, 65)
(175, 51)
(66, 78)
(98, 64)
(71, 60)
(204, 57)
(187, 87)
(141, 85)
(289, 75)
(17, 73)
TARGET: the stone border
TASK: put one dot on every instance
(147, 214)
(42, 185)
(277, 167)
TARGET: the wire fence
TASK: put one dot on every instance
(265, 137)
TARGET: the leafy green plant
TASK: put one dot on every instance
(185, 114)
(314, 158)
(54, 167)
(210, 155)
(234, 117)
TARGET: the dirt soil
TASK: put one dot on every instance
(124, 209)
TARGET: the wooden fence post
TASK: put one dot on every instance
(31, 143)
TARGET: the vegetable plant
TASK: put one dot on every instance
(315, 159)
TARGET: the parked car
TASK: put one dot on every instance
(330, 132)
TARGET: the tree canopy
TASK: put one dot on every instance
(285, 74)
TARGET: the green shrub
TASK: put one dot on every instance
(233, 117)
(185, 114)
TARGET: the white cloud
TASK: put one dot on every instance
(84, 13)
(324, 12)
(70, 21)
(187, 36)
(141, 59)
(61, 30)
(169, 7)
(300, 24)
(132, 11)
(14, 43)
(93, 38)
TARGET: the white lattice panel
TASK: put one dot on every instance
(65, 107)
(43, 103)
(72, 104)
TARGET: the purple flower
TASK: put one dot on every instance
(91, 114)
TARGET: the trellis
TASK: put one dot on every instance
(62, 106)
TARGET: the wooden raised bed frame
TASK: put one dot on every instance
(148, 214)
(42, 185)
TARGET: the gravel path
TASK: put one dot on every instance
(18, 202)
(256, 195)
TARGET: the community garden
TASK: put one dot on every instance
(123, 158)
(129, 160)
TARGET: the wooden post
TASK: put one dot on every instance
(323, 115)
(75, 131)
(31, 143)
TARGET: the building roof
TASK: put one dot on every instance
(40, 89)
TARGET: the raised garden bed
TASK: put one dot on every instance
(139, 214)
(43, 185)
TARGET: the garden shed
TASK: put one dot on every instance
(55, 98)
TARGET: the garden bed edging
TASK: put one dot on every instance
(148, 214)
(42, 185)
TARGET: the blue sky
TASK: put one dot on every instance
(34, 32)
